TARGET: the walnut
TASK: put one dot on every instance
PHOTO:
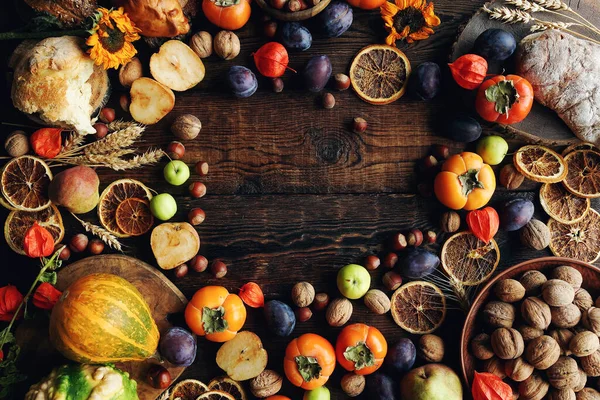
(499, 314)
(536, 313)
(591, 364)
(563, 394)
(17, 144)
(588, 394)
(353, 385)
(535, 235)
(518, 369)
(542, 352)
(377, 301)
(495, 366)
(510, 177)
(564, 374)
(509, 290)
(533, 388)
(266, 384)
(567, 274)
(507, 343)
(532, 281)
(558, 293)
(566, 317)
(450, 222)
(202, 44)
(227, 45)
(431, 348)
(583, 299)
(529, 332)
(563, 338)
(303, 294)
(186, 127)
(591, 319)
(130, 72)
(338, 312)
(481, 347)
(582, 381)
(584, 343)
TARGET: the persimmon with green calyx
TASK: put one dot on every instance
(366, 4)
(361, 349)
(465, 182)
(309, 361)
(504, 99)
(227, 14)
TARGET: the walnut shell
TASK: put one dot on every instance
(535, 235)
(566, 317)
(558, 293)
(352, 384)
(563, 337)
(582, 381)
(266, 384)
(563, 394)
(564, 373)
(303, 294)
(584, 343)
(542, 352)
(450, 222)
(202, 44)
(529, 332)
(227, 45)
(588, 394)
(507, 343)
(17, 144)
(591, 364)
(533, 388)
(495, 366)
(518, 369)
(510, 177)
(338, 312)
(186, 127)
(583, 299)
(567, 274)
(431, 348)
(532, 281)
(499, 314)
(591, 319)
(509, 290)
(481, 347)
(536, 313)
(377, 301)
(130, 72)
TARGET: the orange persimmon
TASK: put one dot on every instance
(504, 99)
(360, 349)
(309, 361)
(227, 14)
(366, 4)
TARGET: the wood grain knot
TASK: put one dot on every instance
(330, 147)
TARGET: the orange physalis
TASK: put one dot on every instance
(469, 71)
(483, 223)
(272, 60)
(46, 142)
(252, 295)
(10, 300)
(488, 386)
(38, 242)
(46, 296)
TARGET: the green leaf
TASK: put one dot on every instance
(469, 181)
(10, 338)
(503, 95)
(49, 277)
(308, 367)
(9, 373)
(213, 320)
(360, 355)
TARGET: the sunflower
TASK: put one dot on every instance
(111, 38)
(408, 19)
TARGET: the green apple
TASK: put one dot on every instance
(176, 172)
(163, 206)
(321, 393)
(431, 382)
(492, 149)
(353, 281)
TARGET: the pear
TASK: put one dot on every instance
(75, 189)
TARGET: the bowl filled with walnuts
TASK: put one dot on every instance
(536, 326)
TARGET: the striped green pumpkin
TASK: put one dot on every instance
(102, 318)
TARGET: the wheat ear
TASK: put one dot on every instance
(108, 238)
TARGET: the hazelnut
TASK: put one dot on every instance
(431, 237)
(533, 388)
(507, 343)
(65, 253)
(124, 102)
(529, 332)
(359, 125)
(510, 178)
(78, 243)
(107, 115)
(535, 235)
(158, 377)
(341, 81)
(95, 246)
(563, 337)
(591, 364)
(399, 242)
(218, 269)
(450, 222)
(591, 319)
(181, 271)
(568, 274)
(584, 343)
(197, 190)
(338, 312)
(440, 151)
(270, 29)
(101, 130)
(566, 317)
(392, 280)
(17, 144)
(564, 373)
(562, 394)
(429, 163)
(518, 369)
(536, 313)
(583, 299)
(353, 385)
(227, 45)
(268, 383)
(196, 216)
(415, 238)
(557, 293)
(542, 352)
(532, 281)
(186, 127)
(498, 314)
(587, 394)
(582, 381)
(202, 44)
(481, 347)
(175, 150)
(431, 348)
(509, 290)
(328, 101)
(377, 301)
(390, 260)
(277, 84)
(201, 168)
(495, 366)
(199, 263)
(372, 262)
(303, 314)
(303, 294)
(130, 72)
(320, 302)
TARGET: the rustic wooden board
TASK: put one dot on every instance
(543, 125)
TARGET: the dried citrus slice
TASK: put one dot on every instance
(418, 307)
(25, 182)
(379, 74)
(583, 178)
(540, 164)
(5, 204)
(228, 385)
(215, 395)
(133, 216)
(468, 259)
(562, 205)
(579, 146)
(580, 241)
(113, 196)
(18, 222)
(189, 389)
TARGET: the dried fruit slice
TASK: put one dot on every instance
(215, 395)
(228, 385)
(561, 205)
(133, 216)
(579, 146)
(580, 241)
(18, 222)
(113, 196)
(468, 259)
(583, 178)
(540, 164)
(188, 389)
(418, 307)
(25, 182)
(379, 74)
(5, 204)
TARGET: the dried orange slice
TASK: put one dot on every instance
(583, 178)
(25, 182)
(579, 146)
(418, 307)
(18, 222)
(113, 196)
(133, 216)
(5, 204)
(379, 74)
(215, 395)
(580, 241)
(468, 259)
(189, 389)
(562, 205)
(228, 385)
(540, 164)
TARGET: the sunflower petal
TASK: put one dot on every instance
(388, 10)
(402, 4)
(430, 17)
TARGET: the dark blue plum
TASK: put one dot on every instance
(280, 317)
(417, 263)
(463, 128)
(178, 347)
(242, 81)
(425, 81)
(317, 72)
(400, 357)
(380, 387)
(294, 36)
(336, 18)
(516, 213)
(495, 44)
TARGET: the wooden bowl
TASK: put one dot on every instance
(293, 16)
(474, 323)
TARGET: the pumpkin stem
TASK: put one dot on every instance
(360, 355)
(308, 367)
(470, 181)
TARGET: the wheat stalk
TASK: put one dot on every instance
(114, 160)
(108, 238)
(552, 7)
(118, 140)
(118, 125)
(525, 5)
(550, 25)
(74, 140)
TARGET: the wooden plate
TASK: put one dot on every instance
(474, 324)
(293, 16)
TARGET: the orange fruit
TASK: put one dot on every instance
(113, 196)
(540, 164)
(188, 389)
(562, 205)
(215, 395)
(580, 241)
(583, 178)
(228, 385)
(468, 259)
(379, 74)
(133, 216)
(418, 307)
(25, 182)
(579, 146)
(18, 222)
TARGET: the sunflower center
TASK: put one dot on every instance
(114, 40)
(411, 17)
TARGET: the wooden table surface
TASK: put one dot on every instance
(293, 193)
